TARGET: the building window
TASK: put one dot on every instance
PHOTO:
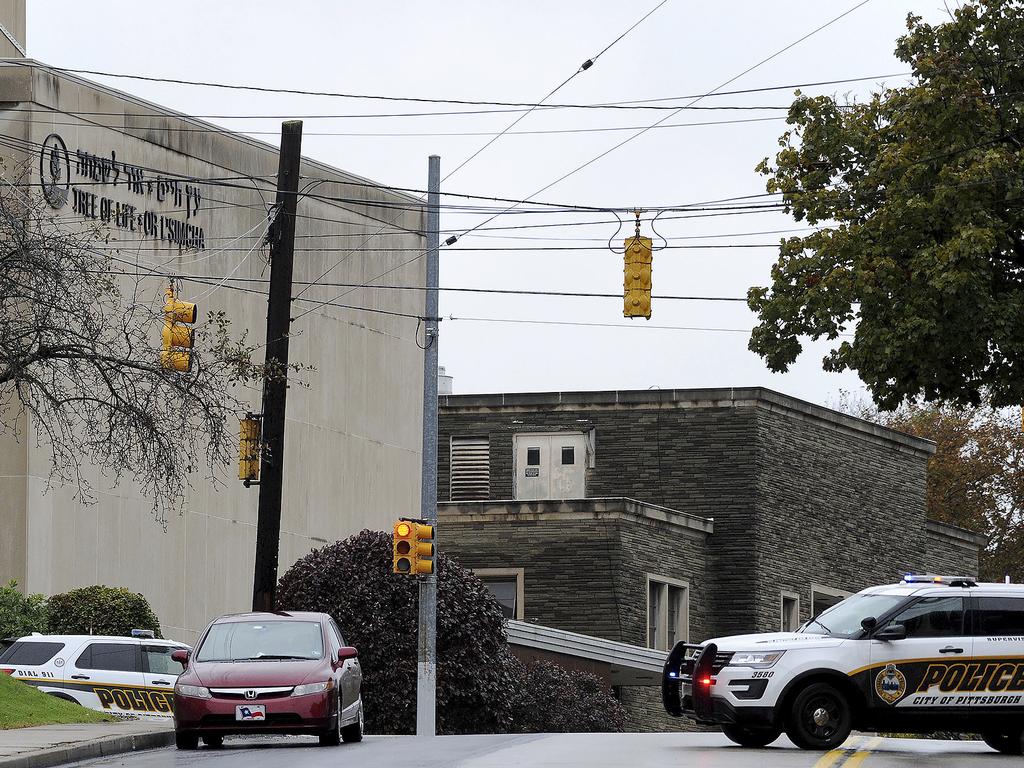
(506, 584)
(533, 457)
(668, 612)
(568, 455)
(470, 469)
(790, 612)
(823, 598)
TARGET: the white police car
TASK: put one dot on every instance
(125, 676)
(932, 653)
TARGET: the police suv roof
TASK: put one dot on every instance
(939, 588)
(35, 637)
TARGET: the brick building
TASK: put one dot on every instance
(646, 517)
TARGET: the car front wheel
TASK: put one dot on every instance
(820, 718)
(1009, 742)
(354, 732)
(751, 737)
(332, 736)
(184, 740)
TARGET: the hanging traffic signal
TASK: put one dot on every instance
(249, 449)
(637, 277)
(413, 545)
(177, 338)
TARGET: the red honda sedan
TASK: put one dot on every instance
(282, 672)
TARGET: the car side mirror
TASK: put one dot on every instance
(891, 632)
(347, 652)
(180, 656)
(869, 623)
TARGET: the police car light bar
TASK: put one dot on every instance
(927, 578)
(143, 633)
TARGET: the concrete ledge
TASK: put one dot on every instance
(599, 508)
(89, 749)
(955, 533)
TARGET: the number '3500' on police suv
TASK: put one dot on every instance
(932, 653)
(123, 676)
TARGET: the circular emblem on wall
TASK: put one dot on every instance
(55, 170)
(890, 684)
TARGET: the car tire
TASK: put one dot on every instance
(214, 742)
(184, 740)
(819, 718)
(752, 738)
(353, 733)
(1008, 742)
(332, 736)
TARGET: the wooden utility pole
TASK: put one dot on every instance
(275, 384)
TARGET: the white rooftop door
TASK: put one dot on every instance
(550, 465)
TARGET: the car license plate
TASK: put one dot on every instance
(248, 713)
(687, 689)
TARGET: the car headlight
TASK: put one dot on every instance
(308, 688)
(760, 659)
(195, 691)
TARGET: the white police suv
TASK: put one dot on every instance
(932, 653)
(125, 676)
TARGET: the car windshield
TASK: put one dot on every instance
(843, 619)
(259, 640)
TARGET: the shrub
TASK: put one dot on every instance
(100, 610)
(552, 699)
(20, 614)
(481, 686)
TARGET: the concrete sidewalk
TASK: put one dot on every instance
(50, 745)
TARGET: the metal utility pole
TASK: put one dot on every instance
(426, 667)
(275, 384)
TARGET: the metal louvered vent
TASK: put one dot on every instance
(471, 469)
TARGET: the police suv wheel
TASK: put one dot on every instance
(820, 718)
(184, 740)
(1009, 743)
(750, 737)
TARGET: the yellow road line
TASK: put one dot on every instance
(831, 758)
(861, 755)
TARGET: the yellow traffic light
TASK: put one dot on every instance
(177, 338)
(249, 449)
(637, 277)
(413, 545)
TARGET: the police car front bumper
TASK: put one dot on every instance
(698, 683)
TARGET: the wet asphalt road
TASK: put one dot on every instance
(677, 750)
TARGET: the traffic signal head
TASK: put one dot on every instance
(249, 449)
(177, 338)
(413, 545)
(637, 277)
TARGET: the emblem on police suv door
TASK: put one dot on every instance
(890, 684)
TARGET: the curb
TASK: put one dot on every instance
(89, 750)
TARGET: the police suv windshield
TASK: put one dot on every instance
(843, 619)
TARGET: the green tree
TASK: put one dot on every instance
(100, 610)
(481, 686)
(976, 476)
(20, 614)
(917, 195)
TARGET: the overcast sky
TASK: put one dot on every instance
(519, 51)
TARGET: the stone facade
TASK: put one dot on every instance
(798, 499)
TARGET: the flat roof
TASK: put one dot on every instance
(641, 399)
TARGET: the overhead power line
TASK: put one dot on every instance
(634, 104)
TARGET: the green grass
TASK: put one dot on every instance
(22, 706)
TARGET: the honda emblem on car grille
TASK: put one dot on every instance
(250, 694)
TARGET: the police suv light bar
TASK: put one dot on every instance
(143, 633)
(927, 578)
